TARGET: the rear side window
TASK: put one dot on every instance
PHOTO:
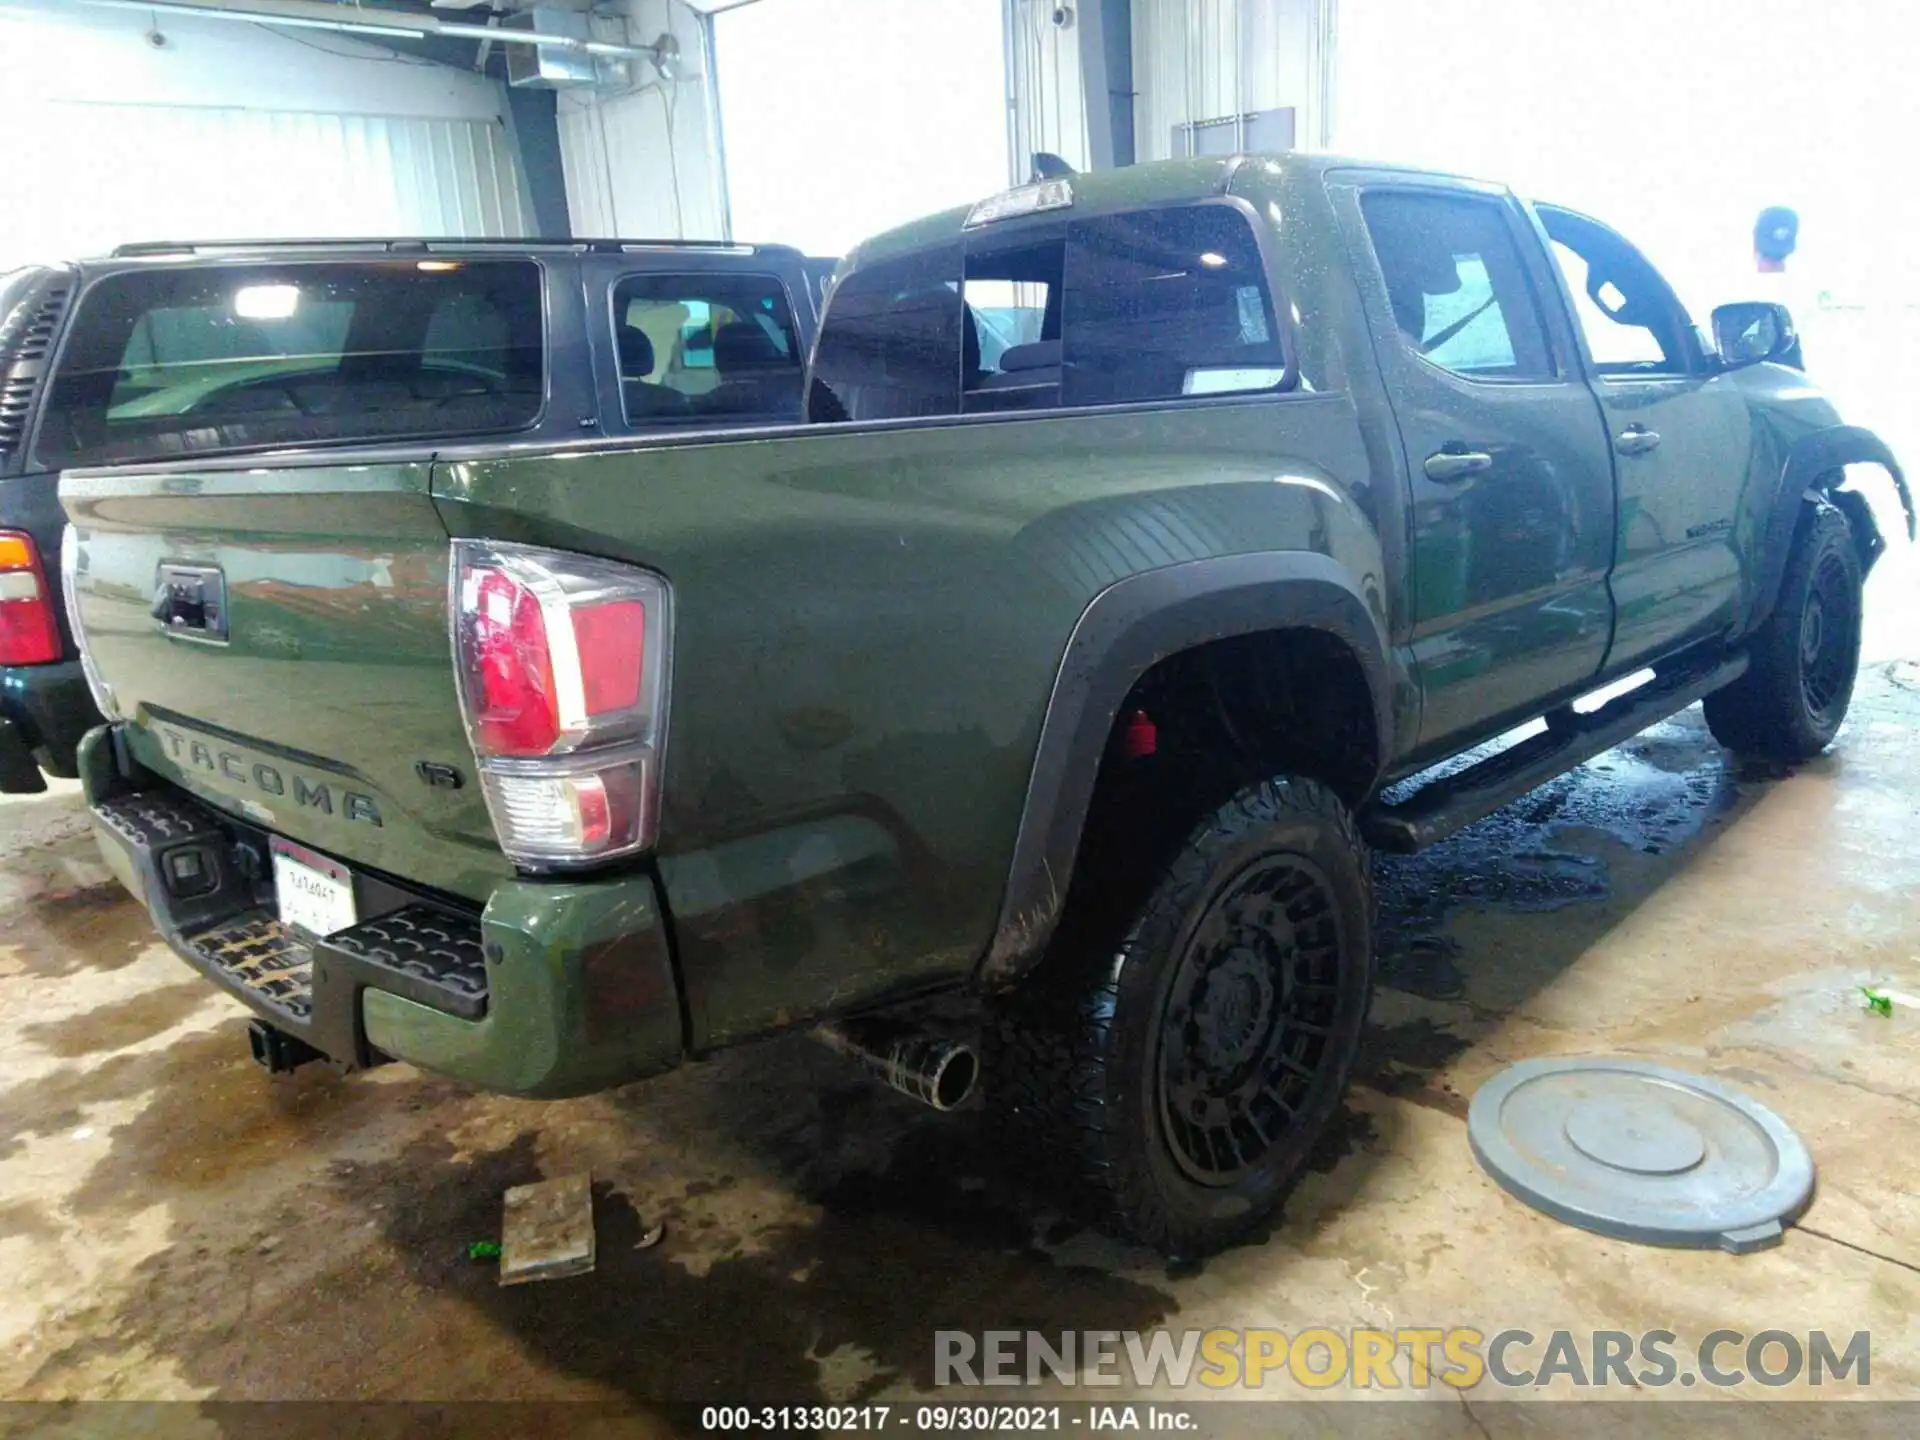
(890, 345)
(166, 363)
(1456, 284)
(1166, 303)
(1152, 305)
(715, 348)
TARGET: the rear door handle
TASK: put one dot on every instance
(1447, 466)
(1636, 440)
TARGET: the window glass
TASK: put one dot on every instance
(890, 341)
(1011, 345)
(696, 337)
(183, 361)
(463, 331)
(715, 348)
(1165, 303)
(1007, 314)
(1618, 344)
(1475, 332)
(1457, 286)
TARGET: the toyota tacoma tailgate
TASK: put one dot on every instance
(277, 640)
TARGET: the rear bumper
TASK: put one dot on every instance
(44, 710)
(550, 990)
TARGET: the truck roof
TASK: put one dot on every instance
(404, 244)
(399, 246)
(1129, 187)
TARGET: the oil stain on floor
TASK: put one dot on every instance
(307, 1237)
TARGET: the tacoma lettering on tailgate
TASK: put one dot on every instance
(268, 779)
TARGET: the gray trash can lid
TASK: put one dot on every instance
(1637, 1151)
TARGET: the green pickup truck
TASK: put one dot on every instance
(1146, 536)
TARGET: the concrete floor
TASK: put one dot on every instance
(174, 1224)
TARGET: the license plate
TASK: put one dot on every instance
(315, 894)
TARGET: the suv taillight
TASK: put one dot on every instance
(29, 634)
(562, 664)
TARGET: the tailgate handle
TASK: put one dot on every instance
(191, 600)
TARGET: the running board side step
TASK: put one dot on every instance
(1436, 810)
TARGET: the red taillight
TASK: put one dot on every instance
(563, 678)
(611, 639)
(29, 633)
(514, 711)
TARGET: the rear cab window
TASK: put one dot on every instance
(170, 362)
(1011, 350)
(1168, 303)
(1165, 304)
(713, 348)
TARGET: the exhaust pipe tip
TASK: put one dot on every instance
(953, 1078)
(937, 1071)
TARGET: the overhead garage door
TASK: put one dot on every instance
(230, 131)
(151, 173)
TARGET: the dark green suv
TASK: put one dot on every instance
(633, 336)
(1143, 529)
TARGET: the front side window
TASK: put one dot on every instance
(717, 348)
(171, 362)
(1633, 322)
(1167, 303)
(1456, 284)
(889, 346)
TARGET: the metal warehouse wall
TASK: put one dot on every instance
(238, 131)
(1045, 98)
(1194, 61)
(1201, 60)
(643, 162)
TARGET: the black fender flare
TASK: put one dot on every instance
(1127, 629)
(1813, 457)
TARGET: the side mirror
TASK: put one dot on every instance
(1751, 331)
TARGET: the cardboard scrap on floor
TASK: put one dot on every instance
(547, 1232)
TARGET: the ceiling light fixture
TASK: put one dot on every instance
(266, 302)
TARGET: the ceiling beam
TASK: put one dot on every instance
(359, 20)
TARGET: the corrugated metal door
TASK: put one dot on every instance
(641, 164)
(1046, 100)
(1200, 62)
(103, 174)
(643, 161)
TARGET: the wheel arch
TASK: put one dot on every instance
(1128, 628)
(1814, 468)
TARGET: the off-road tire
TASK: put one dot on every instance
(1260, 925)
(1789, 704)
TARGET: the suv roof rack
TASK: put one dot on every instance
(402, 245)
